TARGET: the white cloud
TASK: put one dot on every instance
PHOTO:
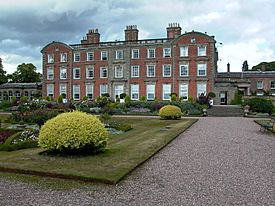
(206, 18)
(253, 51)
(244, 28)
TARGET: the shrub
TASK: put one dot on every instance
(170, 112)
(60, 99)
(260, 105)
(73, 132)
(127, 100)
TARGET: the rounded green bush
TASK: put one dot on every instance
(73, 131)
(170, 112)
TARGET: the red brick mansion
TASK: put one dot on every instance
(184, 63)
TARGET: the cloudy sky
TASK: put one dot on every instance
(244, 27)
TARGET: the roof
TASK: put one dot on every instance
(33, 85)
(55, 42)
(247, 74)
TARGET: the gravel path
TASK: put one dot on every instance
(218, 161)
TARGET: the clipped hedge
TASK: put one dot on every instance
(21, 140)
(170, 112)
(260, 105)
(73, 131)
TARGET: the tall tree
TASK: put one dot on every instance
(25, 73)
(3, 76)
(245, 66)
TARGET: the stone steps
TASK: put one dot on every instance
(225, 111)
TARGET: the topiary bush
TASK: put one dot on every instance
(73, 132)
(170, 112)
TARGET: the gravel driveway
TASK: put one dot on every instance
(218, 161)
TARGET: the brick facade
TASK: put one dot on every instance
(149, 57)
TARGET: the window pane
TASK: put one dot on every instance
(150, 70)
(167, 52)
(167, 70)
(134, 91)
(166, 91)
(135, 71)
(201, 89)
(184, 51)
(104, 55)
(184, 70)
(183, 91)
(150, 91)
(201, 70)
(202, 50)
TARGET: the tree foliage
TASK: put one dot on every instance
(245, 66)
(3, 76)
(25, 73)
(268, 66)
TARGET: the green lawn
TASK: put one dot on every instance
(125, 152)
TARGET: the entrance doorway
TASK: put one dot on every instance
(223, 98)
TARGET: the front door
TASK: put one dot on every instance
(223, 98)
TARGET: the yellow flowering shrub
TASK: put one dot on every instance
(73, 131)
(170, 112)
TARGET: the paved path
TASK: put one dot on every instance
(218, 161)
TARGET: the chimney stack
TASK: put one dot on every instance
(131, 33)
(173, 30)
(228, 67)
(92, 37)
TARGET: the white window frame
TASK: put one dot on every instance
(89, 71)
(150, 90)
(272, 84)
(77, 57)
(201, 67)
(104, 55)
(89, 89)
(181, 68)
(76, 90)
(103, 89)
(119, 54)
(165, 70)
(90, 56)
(63, 57)
(184, 51)
(135, 53)
(118, 89)
(63, 89)
(50, 73)
(135, 71)
(201, 88)
(151, 68)
(118, 71)
(63, 73)
(202, 50)
(260, 84)
(134, 91)
(50, 58)
(151, 53)
(183, 90)
(103, 70)
(166, 52)
(75, 76)
(50, 90)
(166, 91)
